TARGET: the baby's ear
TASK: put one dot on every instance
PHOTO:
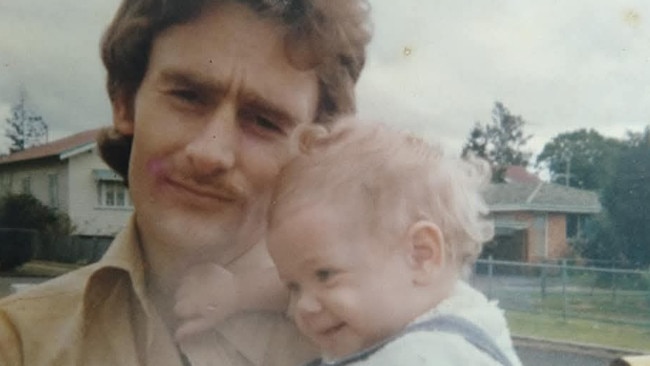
(426, 247)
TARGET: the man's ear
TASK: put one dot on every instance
(427, 251)
(123, 119)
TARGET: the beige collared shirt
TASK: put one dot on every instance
(101, 315)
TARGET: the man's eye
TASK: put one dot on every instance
(267, 124)
(186, 95)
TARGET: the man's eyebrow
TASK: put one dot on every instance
(191, 79)
(246, 98)
(250, 99)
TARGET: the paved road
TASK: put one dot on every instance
(539, 352)
(547, 357)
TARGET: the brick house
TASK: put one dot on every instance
(68, 174)
(535, 220)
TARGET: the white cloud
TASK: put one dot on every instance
(52, 51)
(560, 65)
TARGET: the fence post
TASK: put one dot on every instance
(564, 295)
(648, 289)
(543, 280)
(490, 272)
(613, 287)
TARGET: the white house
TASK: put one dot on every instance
(69, 174)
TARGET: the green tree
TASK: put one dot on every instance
(626, 199)
(502, 142)
(600, 240)
(21, 215)
(584, 157)
(24, 128)
(477, 142)
(636, 139)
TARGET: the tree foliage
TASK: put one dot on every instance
(584, 157)
(620, 170)
(24, 128)
(600, 241)
(501, 142)
(638, 139)
(626, 199)
(23, 214)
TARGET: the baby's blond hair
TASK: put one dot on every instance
(395, 178)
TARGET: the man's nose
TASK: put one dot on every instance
(214, 147)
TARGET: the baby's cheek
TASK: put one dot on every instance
(301, 324)
(291, 308)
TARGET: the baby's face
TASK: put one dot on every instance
(346, 285)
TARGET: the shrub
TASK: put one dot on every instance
(16, 247)
(25, 220)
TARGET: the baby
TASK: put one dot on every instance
(372, 231)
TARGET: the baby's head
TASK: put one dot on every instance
(369, 228)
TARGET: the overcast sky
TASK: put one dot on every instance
(435, 66)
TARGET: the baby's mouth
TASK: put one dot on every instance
(331, 330)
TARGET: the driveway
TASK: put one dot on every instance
(6, 282)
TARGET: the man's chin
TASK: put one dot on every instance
(180, 234)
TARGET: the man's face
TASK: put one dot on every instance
(210, 131)
(347, 287)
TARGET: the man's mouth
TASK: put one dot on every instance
(201, 194)
(206, 192)
(221, 193)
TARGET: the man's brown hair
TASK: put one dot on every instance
(328, 36)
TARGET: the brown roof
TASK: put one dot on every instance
(519, 174)
(546, 197)
(52, 148)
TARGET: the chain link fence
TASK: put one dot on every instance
(608, 295)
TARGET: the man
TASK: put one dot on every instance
(204, 95)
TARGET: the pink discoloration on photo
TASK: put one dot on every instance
(156, 167)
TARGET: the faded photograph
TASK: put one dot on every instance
(324, 182)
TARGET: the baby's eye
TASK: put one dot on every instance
(324, 274)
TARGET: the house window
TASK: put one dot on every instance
(53, 189)
(26, 184)
(5, 184)
(113, 194)
(575, 225)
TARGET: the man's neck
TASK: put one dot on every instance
(163, 269)
(165, 265)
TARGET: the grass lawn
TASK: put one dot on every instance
(41, 269)
(579, 330)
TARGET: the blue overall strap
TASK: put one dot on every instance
(466, 329)
(443, 323)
